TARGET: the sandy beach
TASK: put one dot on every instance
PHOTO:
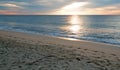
(22, 51)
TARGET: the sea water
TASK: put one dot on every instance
(98, 28)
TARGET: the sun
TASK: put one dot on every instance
(74, 5)
(72, 9)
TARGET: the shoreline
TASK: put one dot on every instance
(72, 39)
(63, 38)
(28, 51)
(11, 33)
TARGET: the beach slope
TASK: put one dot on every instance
(22, 51)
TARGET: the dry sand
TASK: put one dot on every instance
(21, 51)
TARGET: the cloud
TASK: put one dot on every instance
(48, 2)
(10, 5)
(102, 3)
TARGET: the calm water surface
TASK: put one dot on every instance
(105, 29)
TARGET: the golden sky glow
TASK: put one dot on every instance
(73, 8)
(75, 5)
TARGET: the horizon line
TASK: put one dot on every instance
(57, 15)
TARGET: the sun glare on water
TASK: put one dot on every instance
(74, 25)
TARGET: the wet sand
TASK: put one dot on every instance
(22, 51)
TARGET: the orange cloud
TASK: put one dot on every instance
(108, 10)
(5, 12)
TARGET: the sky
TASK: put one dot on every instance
(59, 7)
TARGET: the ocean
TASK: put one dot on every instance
(96, 28)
